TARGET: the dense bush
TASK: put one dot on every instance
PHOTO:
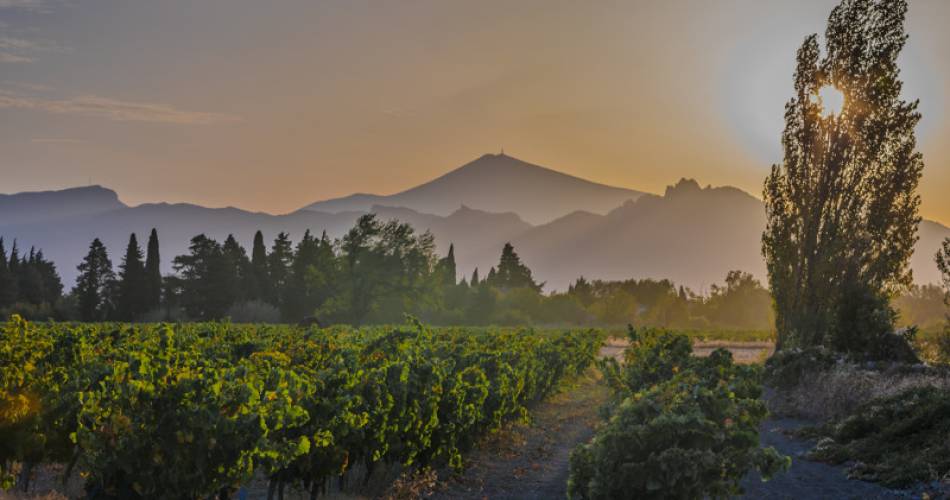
(684, 427)
(195, 410)
(898, 440)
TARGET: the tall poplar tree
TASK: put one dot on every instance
(842, 208)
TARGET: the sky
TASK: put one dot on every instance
(270, 106)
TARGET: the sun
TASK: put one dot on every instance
(832, 100)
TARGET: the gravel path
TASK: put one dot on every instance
(807, 479)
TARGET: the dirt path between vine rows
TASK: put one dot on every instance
(531, 461)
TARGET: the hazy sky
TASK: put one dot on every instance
(273, 105)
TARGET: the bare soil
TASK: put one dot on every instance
(531, 461)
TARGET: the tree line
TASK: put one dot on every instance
(375, 273)
(29, 282)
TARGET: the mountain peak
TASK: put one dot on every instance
(498, 183)
(683, 187)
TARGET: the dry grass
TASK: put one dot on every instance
(744, 353)
(836, 393)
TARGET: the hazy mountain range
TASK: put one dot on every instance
(498, 183)
(562, 226)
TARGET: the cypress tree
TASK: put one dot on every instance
(95, 284)
(259, 288)
(238, 278)
(153, 273)
(133, 286)
(8, 288)
(446, 269)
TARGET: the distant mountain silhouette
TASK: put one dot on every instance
(28, 207)
(496, 183)
(692, 235)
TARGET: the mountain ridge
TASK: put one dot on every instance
(691, 234)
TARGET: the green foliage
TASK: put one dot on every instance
(842, 209)
(653, 356)
(898, 441)
(511, 272)
(153, 273)
(684, 427)
(132, 301)
(196, 410)
(96, 284)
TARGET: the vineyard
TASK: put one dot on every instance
(198, 410)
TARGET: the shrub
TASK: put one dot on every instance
(654, 355)
(898, 440)
(685, 427)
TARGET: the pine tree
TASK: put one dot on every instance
(512, 273)
(95, 284)
(52, 283)
(492, 278)
(205, 279)
(132, 302)
(842, 209)
(29, 280)
(153, 273)
(475, 281)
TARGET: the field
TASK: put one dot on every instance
(194, 410)
(199, 410)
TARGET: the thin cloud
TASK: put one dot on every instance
(6, 57)
(20, 50)
(113, 109)
(39, 6)
(54, 140)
